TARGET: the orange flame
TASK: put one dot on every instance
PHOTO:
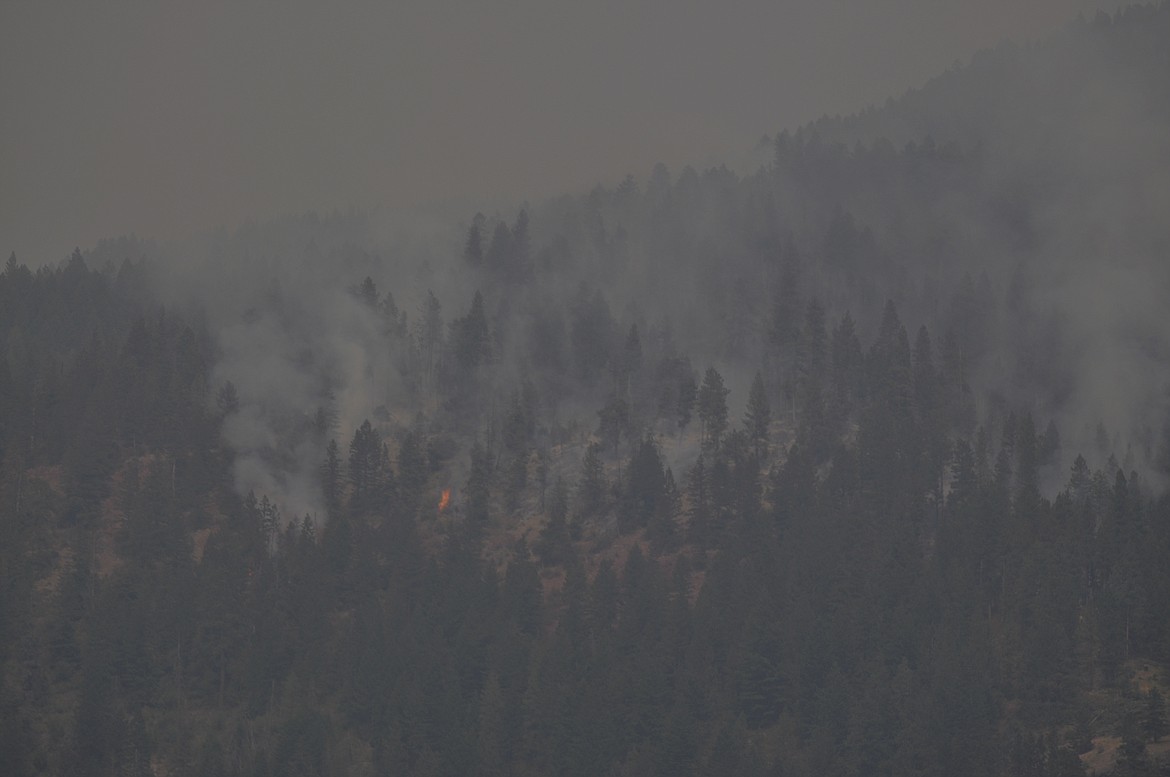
(445, 499)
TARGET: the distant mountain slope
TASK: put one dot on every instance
(1026, 97)
(854, 465)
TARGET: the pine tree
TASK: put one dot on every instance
(613, 421)
(471, 337)
(591, 490)
(269, 517)
(521, 591)
(811, 351)
(473, 246)
(478, 490)
(500, 251)
(758, 418)
(369, 471)
(847, 366)
(393, 320)
(1132, 758)
(331, 478)
(646, 480)
(688, 392)
(628, 363)
(553, 547)
(521, 260)
(430, 337)
(783, 326)
(713, 408)
(699, 498)
(308, 535)
(491, 728)
(1154, 716)
(412, 473)
(591, 334)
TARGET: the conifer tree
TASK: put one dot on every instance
(473, 245)
(1132, 757)
(713, 408)
(331, 478)
(1154, 723)
(591, 491)
(688, 392)
(478, 490)
(553, 547)
(368, 470)
(758, 418)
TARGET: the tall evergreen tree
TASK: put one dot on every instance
(331, 483)
(369, 472)
(712, 404)
(591, 490)
(471, 338)
(758, 417)
(554, 545)
(473, 245)
(1154, 723)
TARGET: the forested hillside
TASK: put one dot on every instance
(854, 465)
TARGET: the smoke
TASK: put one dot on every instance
(1065, 216)
(302, 372)
(1062, 159)
(1099, 267)
(307, 352)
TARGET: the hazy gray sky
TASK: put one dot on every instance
(163, 118)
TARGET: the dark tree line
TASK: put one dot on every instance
(888, 592)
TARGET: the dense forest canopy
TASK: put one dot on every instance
(853, 464)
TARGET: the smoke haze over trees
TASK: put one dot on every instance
(854, 462)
